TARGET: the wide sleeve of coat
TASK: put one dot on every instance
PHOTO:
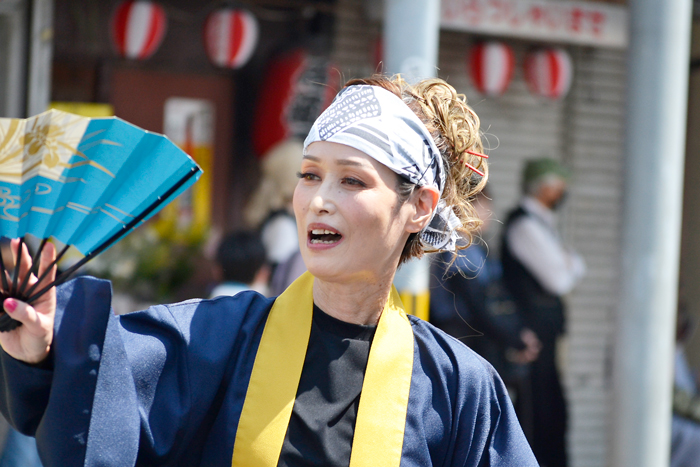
(462, 414)
(137, 389)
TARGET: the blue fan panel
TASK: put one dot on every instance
(121, 171)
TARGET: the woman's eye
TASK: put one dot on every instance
(307, 176)
(353, 181)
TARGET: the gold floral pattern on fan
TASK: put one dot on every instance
(43, 145)
(45, 137)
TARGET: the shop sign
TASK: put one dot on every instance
(583, 23)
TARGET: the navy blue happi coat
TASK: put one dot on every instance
(166, 386)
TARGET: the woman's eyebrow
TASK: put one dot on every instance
(348, 162)
(338, 162)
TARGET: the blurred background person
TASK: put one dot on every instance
(240, 264)
(538, 270)
(270, 210)
(469, 302)
(685, 427)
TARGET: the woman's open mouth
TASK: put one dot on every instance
(323, 236)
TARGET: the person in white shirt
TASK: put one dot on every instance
(538, 269)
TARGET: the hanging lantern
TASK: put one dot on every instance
(230, 37)
(549, 72)
(491, 66)
(138, 28)
(297, 87)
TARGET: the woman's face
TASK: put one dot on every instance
(351, 226)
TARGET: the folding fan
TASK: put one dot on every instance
(84, 182)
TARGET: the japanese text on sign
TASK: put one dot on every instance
(586, 23)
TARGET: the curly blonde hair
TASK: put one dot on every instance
(454, 127)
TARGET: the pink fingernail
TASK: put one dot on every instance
(10, 305)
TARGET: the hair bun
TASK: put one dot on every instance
(456, 122)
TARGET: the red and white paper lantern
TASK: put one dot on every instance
(230, 37)
(549, 72)
(138, 28)
(491, 66)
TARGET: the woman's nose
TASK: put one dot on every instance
(323, 200)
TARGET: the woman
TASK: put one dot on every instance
(332, 372)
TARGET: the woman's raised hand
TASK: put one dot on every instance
(31, 342)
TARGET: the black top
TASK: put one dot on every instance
(323, 419)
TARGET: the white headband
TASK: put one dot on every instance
(378, 123)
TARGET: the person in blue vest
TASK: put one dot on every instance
(330, 373)
(538, 270)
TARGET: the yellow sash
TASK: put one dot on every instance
(381, 416)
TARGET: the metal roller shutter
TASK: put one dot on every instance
(593, 225)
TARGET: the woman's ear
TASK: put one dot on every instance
(424, 201)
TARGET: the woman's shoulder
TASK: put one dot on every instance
(212, 327)
(223, 310)
(245, 311)
(451, 357)
(87, 289)
(241, 301)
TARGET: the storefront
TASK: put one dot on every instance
(582, 127)
(221, 80)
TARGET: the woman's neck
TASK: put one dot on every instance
(359, 302)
